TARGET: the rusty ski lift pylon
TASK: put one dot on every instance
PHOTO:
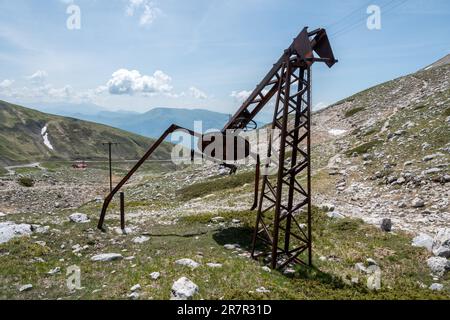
(282, 201)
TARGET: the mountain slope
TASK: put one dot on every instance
(28, 135)
(385, 152)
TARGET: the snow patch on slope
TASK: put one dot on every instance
(44, 135)
(337, 132)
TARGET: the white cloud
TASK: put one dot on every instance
(197, 93)
(147, 10)
(6, 84)
(38, 77)
(241, 96)
(320, 105)
(129, 82)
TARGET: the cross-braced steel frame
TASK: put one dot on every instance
(285, 199)
(284, 205)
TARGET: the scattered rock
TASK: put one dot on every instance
(134, 296)
(54, 271)
(236, 221)
(217, 219)
(386, 225)
(141, 239)
(9, 230)
(441, 243)
(136, 287)
(418, 203)
(371, 262)
(214, 265)
(439, 266)
(262, 290)
(79, 218)
(187, 263)
(423, 241)
(231, 246)
(267, 269)
(360, 267)
(155, 275)
(429, 157)
(327, 207)
(436, 287)
(335, 215)
(289, 272)
(431, 171)
(107, 257)
(26, 287)
(183, 289)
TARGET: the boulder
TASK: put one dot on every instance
(327, 207)
(231, 246)
(9, 230)
(183, 289)
(141, 239)
(54, 271)
(136, 287)
(335, 215)
(439, 266)
(436, 287)
(423, 240)
(155, 275)
(441, 243)
(79, 218)
(217, 219)
(214, 265)
(386, 225)
(360, 267)
(105, 257)
(26, 287)
(187, 263)
(262, 290)
(134, 296)
(418, 203)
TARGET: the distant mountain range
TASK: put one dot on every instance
(150, 124)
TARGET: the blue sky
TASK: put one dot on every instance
(140, 54)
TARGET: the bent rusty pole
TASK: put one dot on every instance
(155, 145)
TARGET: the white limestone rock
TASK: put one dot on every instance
(423, 240)
(105, 257)
(183, 289)
(187, 263)
(9, 230)
(79, 218)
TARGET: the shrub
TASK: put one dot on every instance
(364, 148)
(26, 182)
(352, 112)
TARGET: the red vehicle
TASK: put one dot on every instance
(80, 165)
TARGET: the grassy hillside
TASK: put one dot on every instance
(21, 138)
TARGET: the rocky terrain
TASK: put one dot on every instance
(385, 152)
(381, 222)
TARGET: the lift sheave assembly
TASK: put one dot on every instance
(283, 201)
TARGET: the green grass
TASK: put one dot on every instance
(364, 148)
(27, 170)
(3, 171)
(420, 107)
(202, 189)
(447, 112)
(352, 112)
(348, 241)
